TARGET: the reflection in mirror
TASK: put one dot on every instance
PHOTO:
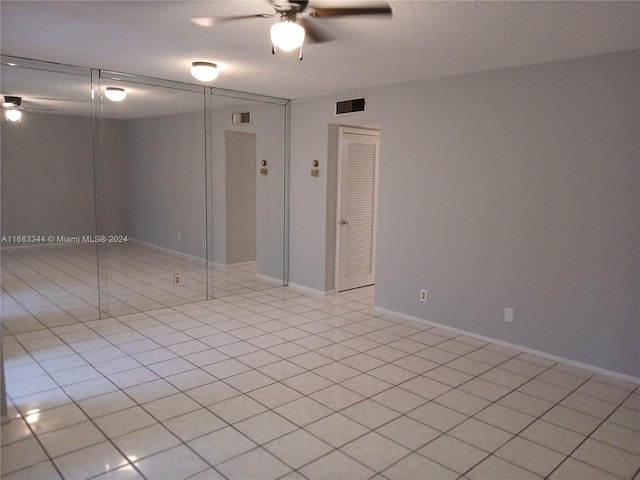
(248, 199)
(49, 270)
(171, 175)
(169, 195)
(154, 145)
(153, 164)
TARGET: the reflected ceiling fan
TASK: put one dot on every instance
(13, 108)
(298, 20)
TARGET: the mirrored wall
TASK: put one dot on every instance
(248, 204)
(49, 275)
(152, 158)
(173, 195)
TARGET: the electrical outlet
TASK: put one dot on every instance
(423, 295)
(141, 228)
(179, 237)
(508, 315)
(176, 279)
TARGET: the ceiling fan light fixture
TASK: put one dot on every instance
(287, 35)
(204, 71)
(115, 94)
(13, 115)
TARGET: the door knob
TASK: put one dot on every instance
(344, 222)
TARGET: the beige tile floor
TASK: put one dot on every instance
(267, 382)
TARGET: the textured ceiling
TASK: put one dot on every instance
(422, 40)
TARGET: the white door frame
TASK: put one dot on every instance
(357, 131)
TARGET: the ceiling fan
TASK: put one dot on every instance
(13, 107)
(297, 20)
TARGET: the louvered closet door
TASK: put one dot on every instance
(358, 182)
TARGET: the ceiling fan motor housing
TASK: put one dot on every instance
(295, 6)
(10, 100)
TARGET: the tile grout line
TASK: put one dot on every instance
(89, 419)
(587, 437)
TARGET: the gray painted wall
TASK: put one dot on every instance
(47, 176)
(115, 171)
(269, 122)
(165, 182)
(514, 188)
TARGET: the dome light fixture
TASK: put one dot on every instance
(287, 35)
(115, 94)
(204, 71)
(13, 115)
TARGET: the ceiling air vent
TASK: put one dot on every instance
(350, 106)
(240, 118)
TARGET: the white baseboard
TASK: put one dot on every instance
(312, 291)
(520, 348)
(151, 246)
(225, 265)
(238, 264)
(267, 279)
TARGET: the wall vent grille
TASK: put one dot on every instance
(350, 106)
(241, 118)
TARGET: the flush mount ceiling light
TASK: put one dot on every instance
(204, 71)
(13, 115)
(115, 94)
(287, 34)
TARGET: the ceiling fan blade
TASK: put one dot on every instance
(371, 9)
(232, 18)
(314, 33)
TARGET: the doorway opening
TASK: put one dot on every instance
(240, 197)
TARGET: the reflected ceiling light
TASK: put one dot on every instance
(115, 94)
(287, 35)
(204, 71)
(33, 416)
(13, 115)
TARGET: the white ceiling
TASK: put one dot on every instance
(422, 40)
